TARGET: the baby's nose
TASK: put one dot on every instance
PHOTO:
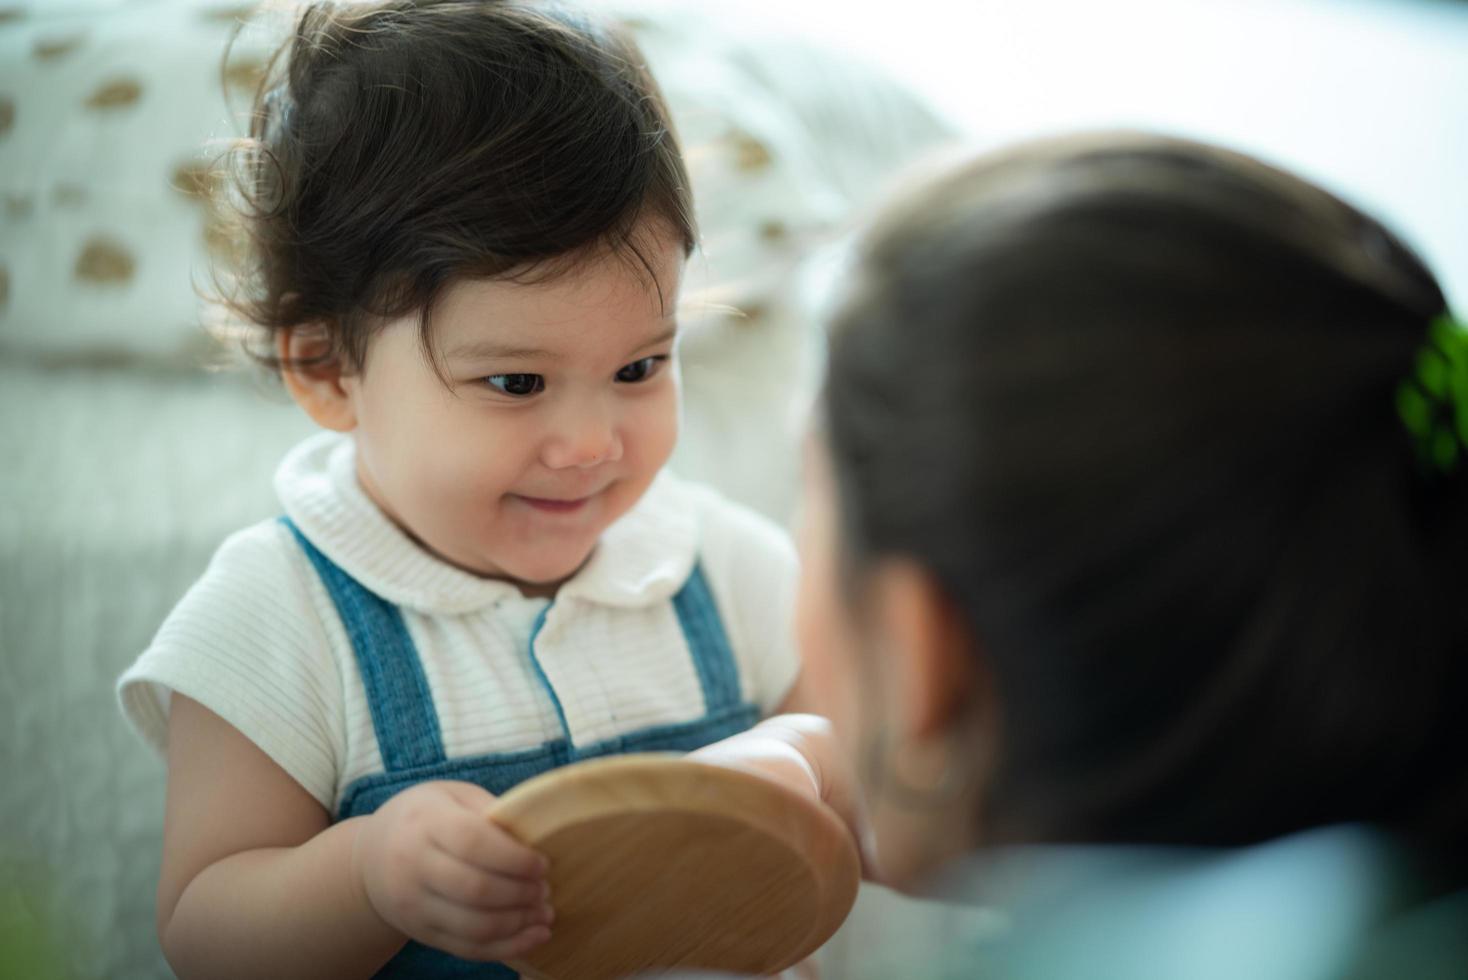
(588, 439)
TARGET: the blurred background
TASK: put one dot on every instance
(125, 458)
(1367, 97)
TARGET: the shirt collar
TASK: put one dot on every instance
(644, 557)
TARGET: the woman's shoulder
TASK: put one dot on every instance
(1339, 901)
(1428, 941)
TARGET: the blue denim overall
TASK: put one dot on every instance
(406, 723)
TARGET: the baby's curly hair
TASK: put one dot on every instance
(397, 146)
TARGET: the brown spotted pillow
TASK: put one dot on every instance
(106, 111)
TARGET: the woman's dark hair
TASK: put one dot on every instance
(398, 146)
(1131, 401)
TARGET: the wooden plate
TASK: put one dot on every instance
(659, 862)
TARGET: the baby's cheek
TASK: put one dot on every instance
(648, 433)
(482, 469)
(659, 427)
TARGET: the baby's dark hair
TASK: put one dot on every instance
(1131, 400)
(398, 146)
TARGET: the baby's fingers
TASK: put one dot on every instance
(505, 949)
(465, 884)
(477, 841)
(477, 935)
(470, 796)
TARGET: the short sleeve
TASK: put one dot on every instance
(247, 643)
(753, 571)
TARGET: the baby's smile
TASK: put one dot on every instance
(552, 505)
(563, 500)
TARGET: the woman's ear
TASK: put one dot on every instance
(934, 672)
(312, 373)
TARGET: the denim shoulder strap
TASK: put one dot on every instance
(713, 658)
(403, 715)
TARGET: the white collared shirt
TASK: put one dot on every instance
(258, 641)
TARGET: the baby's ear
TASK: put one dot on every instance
(311, 368)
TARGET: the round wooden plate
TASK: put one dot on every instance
(658, 862)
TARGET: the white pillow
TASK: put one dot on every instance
(107, 110)
(110, 108)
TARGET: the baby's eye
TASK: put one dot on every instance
(641, 370)
(518, 385)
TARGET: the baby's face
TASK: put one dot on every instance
(561, 405)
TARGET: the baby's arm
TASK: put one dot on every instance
(256, 881)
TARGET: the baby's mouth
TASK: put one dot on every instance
(553, 505)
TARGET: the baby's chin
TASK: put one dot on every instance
(542, 574)
(535, 574)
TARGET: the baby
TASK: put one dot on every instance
(469, 222)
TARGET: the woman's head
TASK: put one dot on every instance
(1111, 427)
(469, 220)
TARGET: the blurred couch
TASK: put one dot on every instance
(125, 460)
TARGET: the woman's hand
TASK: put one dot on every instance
(434, 867)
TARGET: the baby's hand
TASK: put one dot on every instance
(769, 751)
(799, 752)
(435, 868)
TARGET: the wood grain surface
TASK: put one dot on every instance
(658, 862)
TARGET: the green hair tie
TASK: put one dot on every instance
(1433, 402)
